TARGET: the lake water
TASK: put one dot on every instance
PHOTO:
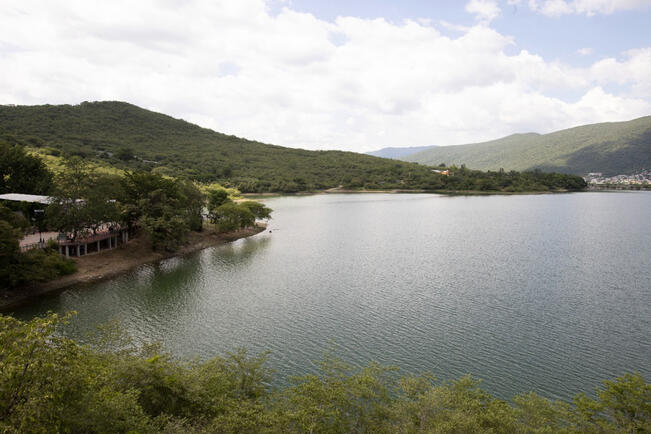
(550, 293)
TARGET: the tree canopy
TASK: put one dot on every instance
(21, 172)
(165, 208)
(83, 200)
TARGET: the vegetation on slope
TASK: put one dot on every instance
(85, 199)
(611, 148)
(49, 383)
(127, 137)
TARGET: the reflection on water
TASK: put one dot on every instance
(550, 293)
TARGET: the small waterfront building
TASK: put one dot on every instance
(108, 237)
(33, 198)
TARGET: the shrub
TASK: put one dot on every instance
(231, 217)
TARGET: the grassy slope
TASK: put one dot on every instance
(181, 148)
(612, 148)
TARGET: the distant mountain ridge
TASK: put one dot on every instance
(611, 148)
(396, 153)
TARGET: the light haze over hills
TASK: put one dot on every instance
(397, 153)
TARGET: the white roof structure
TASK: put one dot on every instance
(18, 197)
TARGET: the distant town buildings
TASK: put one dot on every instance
(641, 178)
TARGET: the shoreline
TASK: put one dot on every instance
(263, 196)
(94, 268)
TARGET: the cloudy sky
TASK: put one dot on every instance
(338, 74)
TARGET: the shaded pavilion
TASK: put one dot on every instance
(109, 237)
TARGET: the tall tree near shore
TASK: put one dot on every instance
(21, 172)
(81, 201)
(232, 216)
(165, 208)
(259, 210)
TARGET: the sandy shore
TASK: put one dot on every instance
(92, 268)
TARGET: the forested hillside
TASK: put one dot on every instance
(130, 137)
(123, 136)
(612, 148)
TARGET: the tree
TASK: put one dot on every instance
(137, 188)
(82, 200)
(624, 405)
(166, 208)
(166, 232)
(101, 201)
(22, 173)
(13, 218)
(217, 197)
(259, 210)
(125, 154)
(191, 201)
(231, 216)
(9, 253)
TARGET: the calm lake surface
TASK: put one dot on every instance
(550, 293)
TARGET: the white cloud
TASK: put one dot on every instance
(634, 71)
(556, 8)
(551, 7)
(291, 79)
(586, 51)
(484, 10)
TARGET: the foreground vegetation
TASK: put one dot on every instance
(612, 148)
(116, 135)
(49, 383)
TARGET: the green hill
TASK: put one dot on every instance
(612, 148)
(123, 136)
(129, 137)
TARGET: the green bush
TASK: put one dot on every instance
(58, 264)
(19, 269)
(232, 216)
(48, 383)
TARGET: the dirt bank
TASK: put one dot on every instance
(92, 268)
